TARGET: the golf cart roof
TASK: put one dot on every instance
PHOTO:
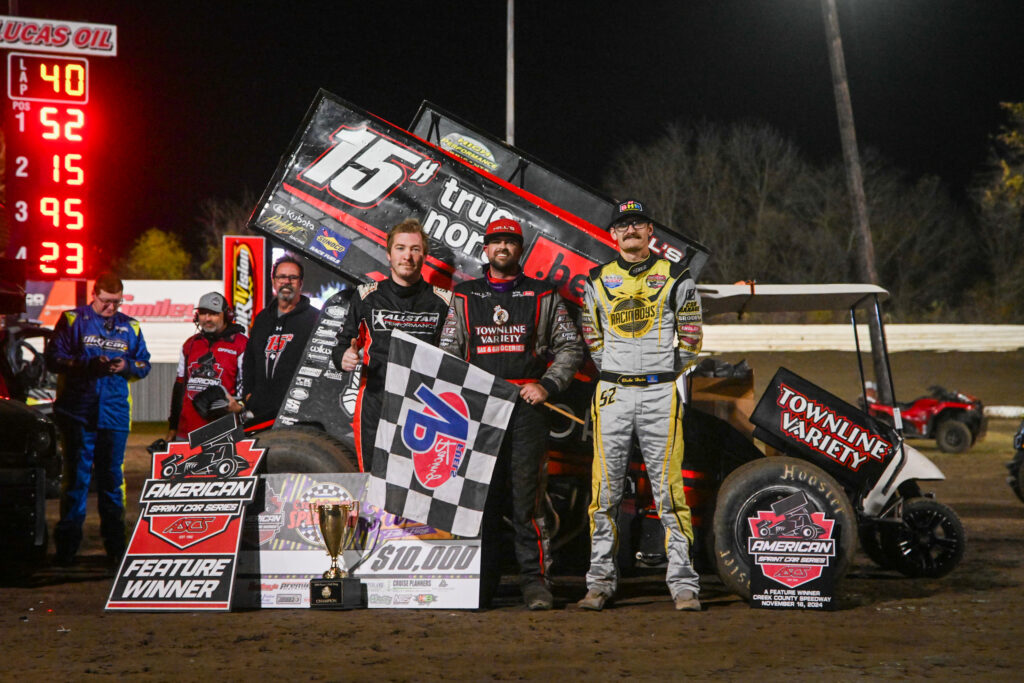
(758, 298)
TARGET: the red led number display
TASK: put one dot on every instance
(48, 186)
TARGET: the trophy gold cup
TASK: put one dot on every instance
(339, 527)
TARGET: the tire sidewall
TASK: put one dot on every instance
(952, 424)
(754, 486)
(304, 449)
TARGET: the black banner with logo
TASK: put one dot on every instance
(349, 176)
(799, 417)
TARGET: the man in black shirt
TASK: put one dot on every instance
(512, 326)
(403, 302)
(278, 338)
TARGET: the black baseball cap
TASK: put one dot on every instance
(628, 208)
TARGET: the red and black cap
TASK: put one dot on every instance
(504, 227)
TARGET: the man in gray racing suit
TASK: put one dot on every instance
(642, 324)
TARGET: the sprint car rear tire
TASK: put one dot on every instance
(755, 486)
(953, 436)
(929, 544)
(305, 449)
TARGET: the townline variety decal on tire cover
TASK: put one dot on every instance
(762, 485)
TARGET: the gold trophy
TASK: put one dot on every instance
(339, 528)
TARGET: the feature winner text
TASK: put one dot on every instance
(151, 579)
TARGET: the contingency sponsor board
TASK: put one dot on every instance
(245, 277)
(792, 550)
(796, 415)
(183, 550)
(407, 564)
(319, 392)
(492, 155)
(350, 175)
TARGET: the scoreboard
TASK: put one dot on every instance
(51, 146)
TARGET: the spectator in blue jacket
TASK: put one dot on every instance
(96, 351)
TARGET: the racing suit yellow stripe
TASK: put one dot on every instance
(672, 474)
(600, 464)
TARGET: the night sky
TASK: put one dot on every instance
(204, 97)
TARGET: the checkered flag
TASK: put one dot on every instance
(441, 427)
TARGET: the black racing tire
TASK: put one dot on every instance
(929, 544)
(1016, 469)
(305, 449)
(755, 486)
(870, 536)
(953, 436)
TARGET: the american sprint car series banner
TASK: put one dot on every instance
(183, 551)
(515, 166)
(349, 176)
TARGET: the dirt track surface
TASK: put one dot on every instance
(965, 625)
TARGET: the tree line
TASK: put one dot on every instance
(770, 215)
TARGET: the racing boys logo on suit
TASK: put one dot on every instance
(632, 317)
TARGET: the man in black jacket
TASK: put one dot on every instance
(510, 324)
(403, 302)
(278, 338)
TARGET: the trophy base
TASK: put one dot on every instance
(337, 594)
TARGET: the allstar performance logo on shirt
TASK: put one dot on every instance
(410, 322)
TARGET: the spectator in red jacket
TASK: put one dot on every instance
(210, 362)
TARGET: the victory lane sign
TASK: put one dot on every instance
(184, 548)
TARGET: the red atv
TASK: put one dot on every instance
(955, 420)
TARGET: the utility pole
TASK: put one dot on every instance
(855, 185)
(510, 76)
(848, 136)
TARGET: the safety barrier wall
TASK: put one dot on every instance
(899, 337)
